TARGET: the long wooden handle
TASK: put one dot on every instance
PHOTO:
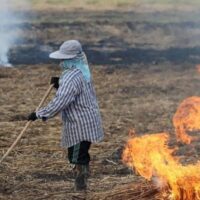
(26, 126)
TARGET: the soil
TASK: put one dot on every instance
(143, 66)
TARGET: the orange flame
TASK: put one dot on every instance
(187, 118)
(198, 67)
(151, 158)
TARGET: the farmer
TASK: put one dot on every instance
(76, 101)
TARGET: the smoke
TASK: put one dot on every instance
(160, 183)
(8, 33)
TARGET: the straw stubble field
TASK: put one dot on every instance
(142, 94)
(140, 98)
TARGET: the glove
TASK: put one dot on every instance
(55, 82)
(32, 117)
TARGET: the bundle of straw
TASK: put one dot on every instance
(139, 191)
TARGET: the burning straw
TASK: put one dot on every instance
(187, 118)
(153, 160)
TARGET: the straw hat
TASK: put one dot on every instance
(68, 50)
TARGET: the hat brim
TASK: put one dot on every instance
(59, 55)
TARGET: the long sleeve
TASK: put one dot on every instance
(64, 96)
(77, 101)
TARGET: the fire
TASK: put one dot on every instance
(198, 67)
(150, 156)
(187, 118)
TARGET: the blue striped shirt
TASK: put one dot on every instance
(76, 100)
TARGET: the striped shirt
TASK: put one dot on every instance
(76, 100)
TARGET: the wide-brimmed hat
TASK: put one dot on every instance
(68, 50)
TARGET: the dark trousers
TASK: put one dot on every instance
(78, 154)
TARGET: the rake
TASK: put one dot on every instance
(26, 126)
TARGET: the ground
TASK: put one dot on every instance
(143, 65)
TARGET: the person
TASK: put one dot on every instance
(76, 100)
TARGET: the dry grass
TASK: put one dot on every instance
(143, 97)
(112, 4)
(138, 5)
(69, 4)
(140, 190)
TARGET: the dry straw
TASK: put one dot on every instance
(26, 126)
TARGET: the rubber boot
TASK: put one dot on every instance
(81, 176)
